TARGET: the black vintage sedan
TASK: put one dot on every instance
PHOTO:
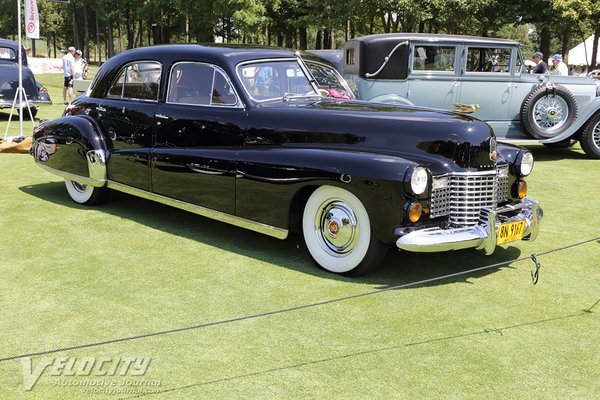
(252, 137)
(9, 80)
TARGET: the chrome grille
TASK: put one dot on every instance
(461, 196)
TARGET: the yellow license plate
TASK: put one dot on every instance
(511, 231)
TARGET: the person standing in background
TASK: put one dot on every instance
(68, 60)
(78, 65)
(560, 68)
(541, 67)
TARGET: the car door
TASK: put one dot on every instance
(433, 76)
(486, 77)
(199, 131)
(127, 116)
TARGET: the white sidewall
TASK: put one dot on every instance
(77, 195)
(337, 264)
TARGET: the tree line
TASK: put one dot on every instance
(102, 28)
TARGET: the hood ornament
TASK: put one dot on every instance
(465, 108)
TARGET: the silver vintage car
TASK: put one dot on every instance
(482, 75)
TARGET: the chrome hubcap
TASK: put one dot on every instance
(79, 187)
(336, 227)
(550, 113)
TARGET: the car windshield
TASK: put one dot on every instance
(329, 81)
(269, 80)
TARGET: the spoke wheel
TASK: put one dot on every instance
(590, 137)
(548, 111)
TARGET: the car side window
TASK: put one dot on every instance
(427, 58)
(137, 81)
(200, 84)
(488, 59)
(8, 53)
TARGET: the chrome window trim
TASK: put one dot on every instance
(265, 60)
(238, 104)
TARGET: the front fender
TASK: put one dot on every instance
(281, 175)
(73, 148)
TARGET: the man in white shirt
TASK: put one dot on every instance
(560, 68)
(68, 60)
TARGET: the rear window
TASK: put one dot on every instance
(7, 53)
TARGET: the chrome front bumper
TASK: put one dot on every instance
(482, 236)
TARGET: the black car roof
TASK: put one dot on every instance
(431, 37)
(9, 43)
(216, 53)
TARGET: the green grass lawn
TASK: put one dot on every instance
(74, 275)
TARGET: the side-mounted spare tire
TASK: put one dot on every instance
(548, 110)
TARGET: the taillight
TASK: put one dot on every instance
(43, 90)
(72, 110)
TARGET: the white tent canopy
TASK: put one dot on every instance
(582, 53)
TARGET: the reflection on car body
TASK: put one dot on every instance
(275, 152)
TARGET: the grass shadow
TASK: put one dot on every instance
(398, 268)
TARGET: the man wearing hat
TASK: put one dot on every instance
(541, 67)
(68, 61)
(560, 68)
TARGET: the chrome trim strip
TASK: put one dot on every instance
(97, 165)
(72, 177)
(265, 229)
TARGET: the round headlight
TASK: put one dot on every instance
(525, 163)
(418, 180)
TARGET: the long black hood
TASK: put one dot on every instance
(416, 133)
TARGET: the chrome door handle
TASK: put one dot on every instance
(161, 116)
(100, 108)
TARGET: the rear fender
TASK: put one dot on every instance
(73, 148)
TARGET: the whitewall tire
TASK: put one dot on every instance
(338, 234)
(85, 194)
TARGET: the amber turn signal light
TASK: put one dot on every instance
(414, 212)
(521, 189)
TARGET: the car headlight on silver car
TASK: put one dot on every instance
(524, 163)
(419, 180)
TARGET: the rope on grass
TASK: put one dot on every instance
(296, 308)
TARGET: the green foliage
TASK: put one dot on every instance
(129, 23)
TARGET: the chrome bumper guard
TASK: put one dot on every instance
(482, 236)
